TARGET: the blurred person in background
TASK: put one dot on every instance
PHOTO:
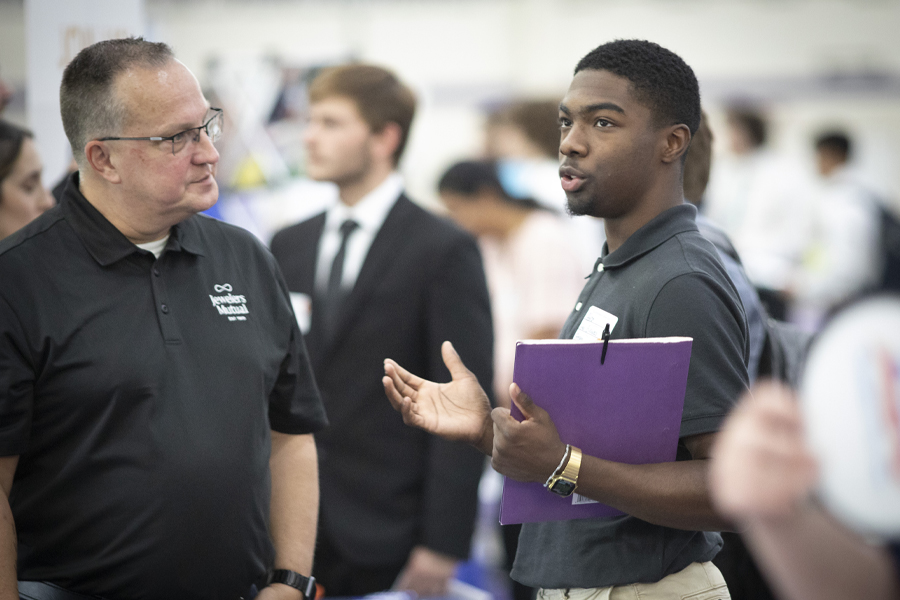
(697, 166)
(533, 271)
(762, 477)
(743, 577)
(530, 262)
(23, 196)
(762, 201)
(525, 129)
(6, 94)
(524, 135)
(378, 276)
(842, 259)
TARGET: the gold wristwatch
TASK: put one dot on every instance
(564, 483)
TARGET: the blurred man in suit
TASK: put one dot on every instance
(398, 505)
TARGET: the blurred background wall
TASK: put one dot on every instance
(808, 63)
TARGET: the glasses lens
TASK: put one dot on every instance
(215, 126)
(179, 141)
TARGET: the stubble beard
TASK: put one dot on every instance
(579, 206)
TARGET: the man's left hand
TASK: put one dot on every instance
(427, 573)
(529, 450)
(279, 591)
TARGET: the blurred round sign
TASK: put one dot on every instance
(850, 395)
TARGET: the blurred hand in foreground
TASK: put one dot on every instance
(761, 466)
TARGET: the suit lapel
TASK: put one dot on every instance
(378, 261)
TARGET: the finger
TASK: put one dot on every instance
(406, 383)
(453, 361)
(403, 404)
(412, 380)
(396, 398)
(501, 415)
(522, 400)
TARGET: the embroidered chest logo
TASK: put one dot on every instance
(233, 306)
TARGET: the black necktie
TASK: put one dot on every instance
(334, 293)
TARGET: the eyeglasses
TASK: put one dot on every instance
(213, 129)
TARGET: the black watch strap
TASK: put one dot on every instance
(307, 585)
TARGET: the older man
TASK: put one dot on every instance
(156, 402)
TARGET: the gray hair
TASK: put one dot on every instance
(87, 99)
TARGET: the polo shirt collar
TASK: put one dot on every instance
(101, 238)
(186, 236)
(678, 219)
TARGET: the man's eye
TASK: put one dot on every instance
(603, 123)
(564, 123)
(179, 137)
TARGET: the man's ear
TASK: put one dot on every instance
(386, 141)
(677, 141)
(100, 160)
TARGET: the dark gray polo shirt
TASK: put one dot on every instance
(665, 280)
(140, 394)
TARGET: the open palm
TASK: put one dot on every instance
(457, 411)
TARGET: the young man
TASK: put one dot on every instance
(626, 123)
(156, 402)
(385, 278)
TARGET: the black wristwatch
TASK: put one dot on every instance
(306, 585)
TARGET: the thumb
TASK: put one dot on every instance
(524, 402)
(454, 363)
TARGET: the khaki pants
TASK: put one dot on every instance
(697, 581)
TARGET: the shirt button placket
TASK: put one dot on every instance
(166, 324)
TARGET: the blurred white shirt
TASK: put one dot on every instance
(764, 203)
(369, 213)
(842, 257)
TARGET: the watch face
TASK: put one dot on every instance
(562, 487)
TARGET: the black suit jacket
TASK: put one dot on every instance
(386, 487)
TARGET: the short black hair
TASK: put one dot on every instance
(835, 141)
(11, 139)
(87, 98)
(659, 78)
(472, 177)
(752, 122)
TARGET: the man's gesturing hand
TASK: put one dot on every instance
(529, 450)
(458, 411)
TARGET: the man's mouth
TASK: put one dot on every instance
(205, 179)
(570, 179)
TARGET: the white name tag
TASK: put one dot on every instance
(579, 499)
(302, 304)
(595, 321)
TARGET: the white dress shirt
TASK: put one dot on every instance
(369, 213)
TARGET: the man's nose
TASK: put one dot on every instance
(205, 151)
(573, 143)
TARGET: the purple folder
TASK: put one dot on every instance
(626, 410)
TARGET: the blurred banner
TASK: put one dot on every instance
(55, 31)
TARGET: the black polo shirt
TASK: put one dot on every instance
(665, 280)
(139, 395)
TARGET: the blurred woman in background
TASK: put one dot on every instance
(23, 196)
(533, 269)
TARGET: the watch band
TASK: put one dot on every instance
(566, 482)
(307, 585)
(570, 473)
(562, 463)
